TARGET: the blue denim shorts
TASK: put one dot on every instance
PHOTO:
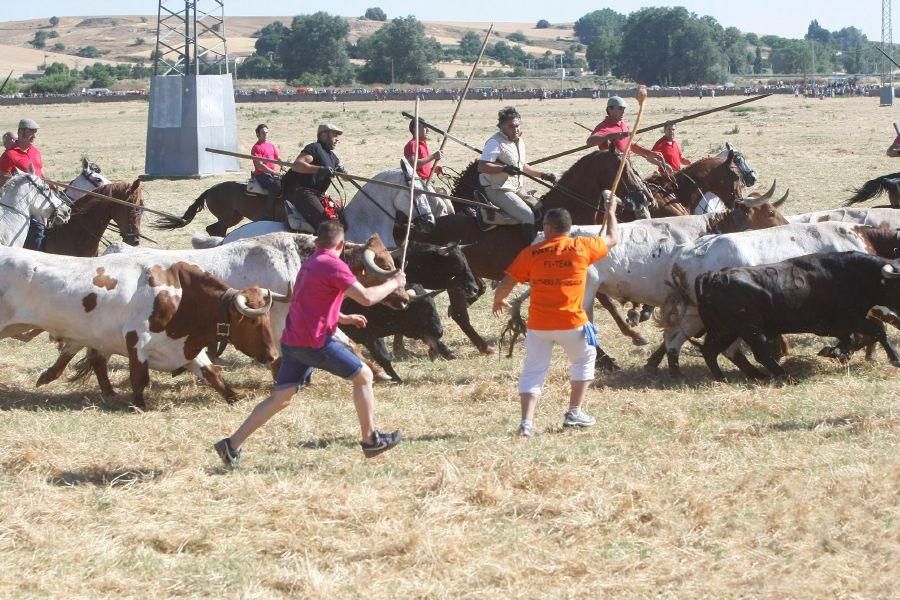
(298, 362)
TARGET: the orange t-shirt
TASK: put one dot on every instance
(556, 270)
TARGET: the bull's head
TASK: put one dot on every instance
(373, 264)
(760, 212)
(248, 317)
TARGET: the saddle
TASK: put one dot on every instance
(255, 189)
(489, 218)
(295, 219)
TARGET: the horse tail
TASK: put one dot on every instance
(871, 189)
(201, 241)
(189, 215)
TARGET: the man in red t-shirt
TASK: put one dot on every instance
(307, 343)
(426, 158)
(556, 269)
(669, 148)
(264, 172)
(614, 130)
(25, 156)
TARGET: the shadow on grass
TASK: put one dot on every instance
(18, 399)
(847, 420)
(351, 442)
(104, 477)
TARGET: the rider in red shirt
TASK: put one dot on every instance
(424, 155)
(25, 156)
(614, 130)
(669, 148)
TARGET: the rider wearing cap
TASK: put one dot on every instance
(614, 130)
(501, 166)
(25, 156)
(317, 164)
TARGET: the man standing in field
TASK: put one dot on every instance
(317, 164)
(25, 156)
(670, 149)
(307, 343)
(614, 130)
(556, 269)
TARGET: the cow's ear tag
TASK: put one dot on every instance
(223, 330)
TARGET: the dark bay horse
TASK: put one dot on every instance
(230, 203)
(875, 187)
(679, 194)
(82, 235)
(492, 251)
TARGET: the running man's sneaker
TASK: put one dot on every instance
(576, 417)
(230, 457)
(382, 442)
(526, 429)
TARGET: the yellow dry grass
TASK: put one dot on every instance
(683, 489)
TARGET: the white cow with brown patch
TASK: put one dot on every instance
(159, 315)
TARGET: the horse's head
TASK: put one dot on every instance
(90, 178)
(42, 201)
(748, 175)
(128, 219)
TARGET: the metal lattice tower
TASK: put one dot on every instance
(190, 38)
(887, 44)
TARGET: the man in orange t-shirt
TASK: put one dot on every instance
(556, 269)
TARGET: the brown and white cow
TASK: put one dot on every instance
(159, 316)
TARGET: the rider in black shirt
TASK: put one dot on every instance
(317, 164)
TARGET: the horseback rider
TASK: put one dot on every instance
(264, 172)
(670, 149)
(614, 130)
(500, 171)
(317, 165)
(9, 140)
(25, 156)
(426, 158)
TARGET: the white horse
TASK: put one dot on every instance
(373, 210)
(89, 179)
(25, 195)
(376, 208)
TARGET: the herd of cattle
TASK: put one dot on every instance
(749, 274)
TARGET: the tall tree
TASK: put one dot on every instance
(603, 53)
(317, 47)
(375, 14)
(469, 45)
(401, 48)
(817, 33)
(270, 37)
(594, 23)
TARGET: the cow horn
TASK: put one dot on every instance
(782, 200)
(369, 262)
(768, 195)
(445, 250)
(889, 272)
(276, 297)
(240, 303)
(397, 252)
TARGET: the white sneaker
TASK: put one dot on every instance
(526, 429)
(576, 417)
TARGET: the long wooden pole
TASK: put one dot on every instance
(349, 177)
(641, 96)
(412, 191)
(115, 200)
(657, 126)
(461, 98)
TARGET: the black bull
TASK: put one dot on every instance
(827, 294)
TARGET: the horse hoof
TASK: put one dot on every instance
(632, 318)
(640, 341)
(486, 350)
(651, 368)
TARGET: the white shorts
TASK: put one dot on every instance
(539, 349)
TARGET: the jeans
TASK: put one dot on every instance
(34, 240)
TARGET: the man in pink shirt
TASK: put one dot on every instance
(264, 172)
(307, 343)
(614, 130)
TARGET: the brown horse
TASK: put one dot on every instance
(490, 252)
(82, 235)
(230, 203)
(680, 193)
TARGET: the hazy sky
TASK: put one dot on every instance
(788, 18)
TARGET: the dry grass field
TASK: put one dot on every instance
(683, 489)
